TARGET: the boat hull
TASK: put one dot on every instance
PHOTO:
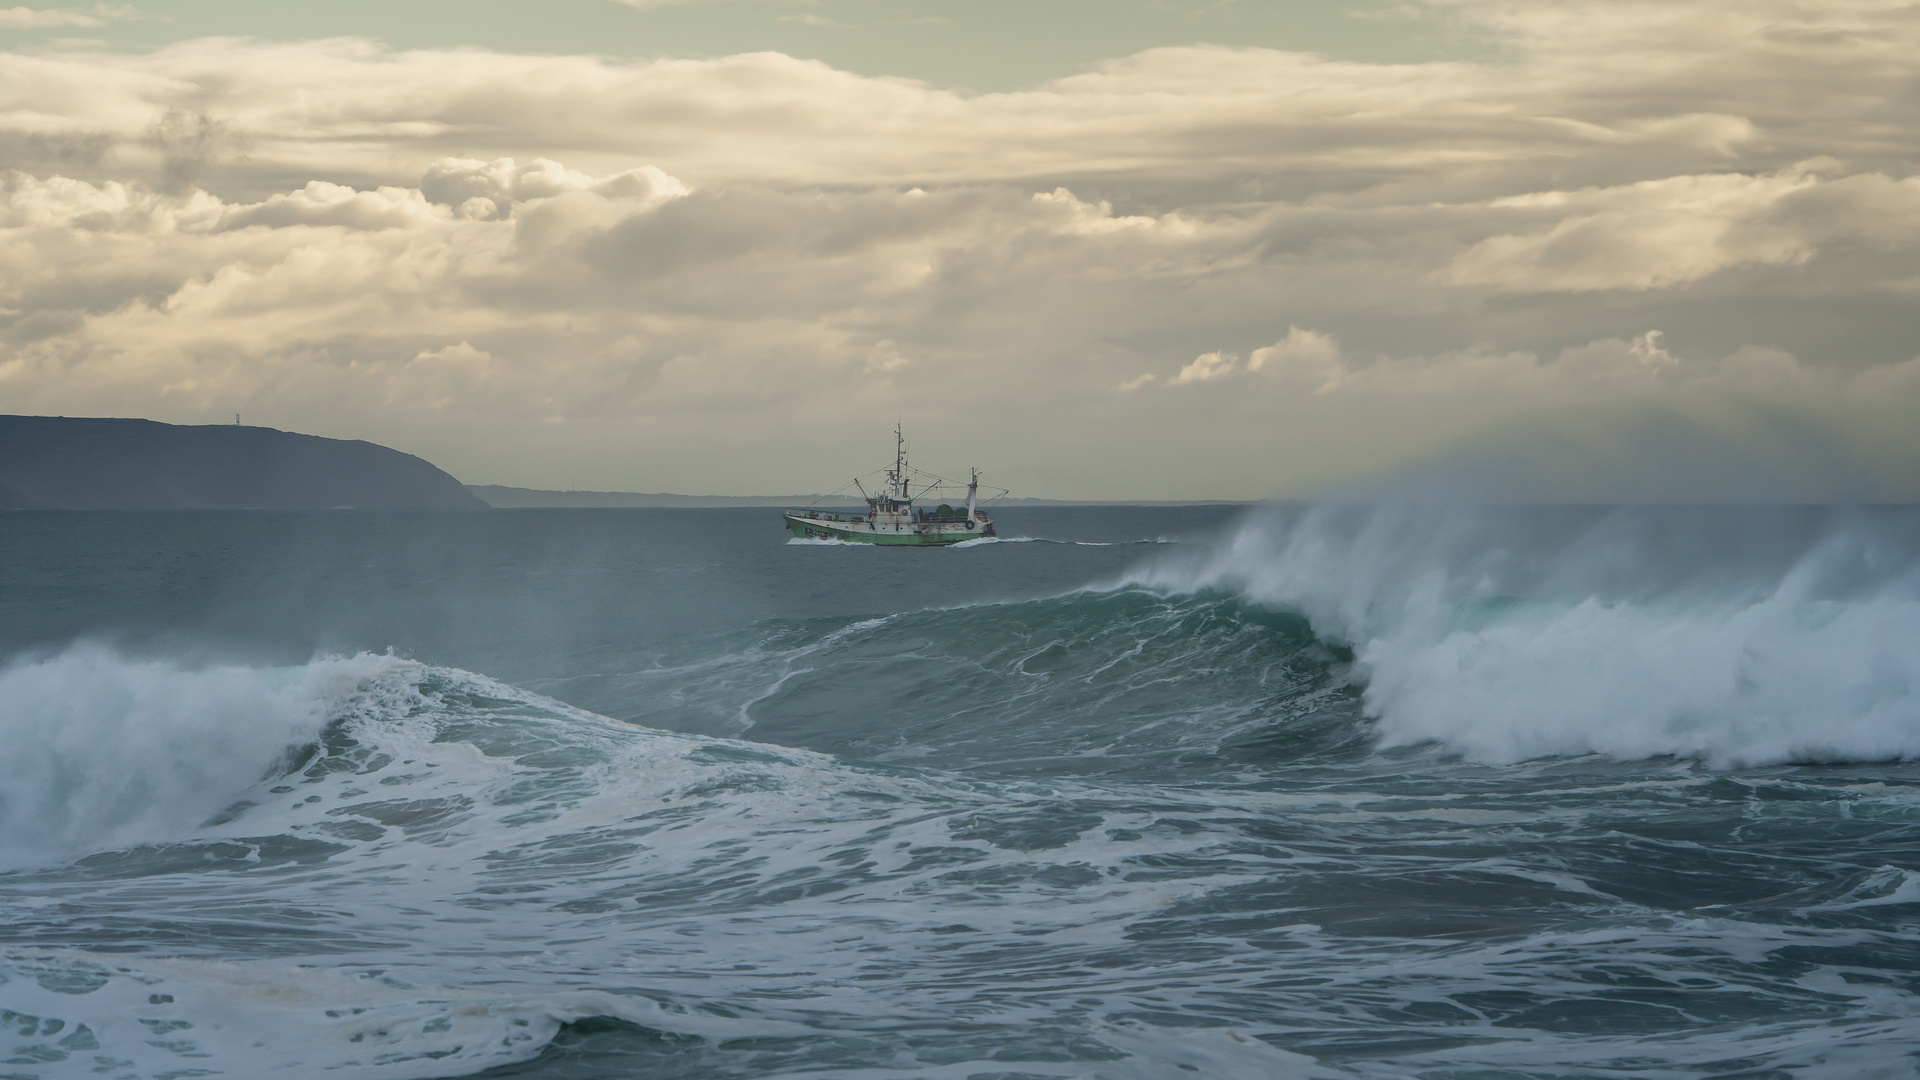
(885, 533)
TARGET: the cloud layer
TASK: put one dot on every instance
(26, 18)
(1192, 272)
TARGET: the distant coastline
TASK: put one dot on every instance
(516, 498)
(107, 463)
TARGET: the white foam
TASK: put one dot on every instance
(74, 1013)
(1886, 886)
(1506, 647)
(988, 541)
(496, 864)
(482, 865)
(104, 751)
(1771, 682)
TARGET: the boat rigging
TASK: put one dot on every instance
(892, 518)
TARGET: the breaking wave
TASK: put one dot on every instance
(1739, 636)
(104, 751)
(1354, 792)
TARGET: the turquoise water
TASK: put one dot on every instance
(1297, 791)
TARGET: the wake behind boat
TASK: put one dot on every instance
(892, 518)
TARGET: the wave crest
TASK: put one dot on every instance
(1738, 636)
(105, 751)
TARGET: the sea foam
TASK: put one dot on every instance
(1741, 636)
(105, 751)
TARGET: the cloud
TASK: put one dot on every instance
(190, 143)
(1191, 117)
(613, 306)
(26, 18)
(321, 203)
(491, 188)
(563, 270)
(1301, 351)
(1207, 366)
(1302, 354)
(884, 356)
(1648, 235)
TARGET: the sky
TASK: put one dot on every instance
(1152, 249)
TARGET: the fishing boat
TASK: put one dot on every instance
(892, 518)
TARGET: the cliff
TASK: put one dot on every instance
(80, 463)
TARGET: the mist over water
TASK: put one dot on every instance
(1310, 790)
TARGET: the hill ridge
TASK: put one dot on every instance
(119, 463)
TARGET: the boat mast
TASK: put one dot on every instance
(973, 489)
(899, 462)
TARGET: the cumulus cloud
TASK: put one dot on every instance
(1301, 352)
(1206, 366)
(558, 270)
(1300, 349)
(500, 183)
(322, 203)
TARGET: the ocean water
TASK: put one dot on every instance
(1296, 791)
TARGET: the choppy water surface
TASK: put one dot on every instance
(1314, 792)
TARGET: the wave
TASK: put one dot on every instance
(1127, 683)
(1737, 636)
(104, 751)
(316, 1022)
(417, 891)
(987, 541)
(448, 871)
(391, 789)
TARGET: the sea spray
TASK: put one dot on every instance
(103, 750)
(975, 813)
(445, 886)
(1737, 636)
